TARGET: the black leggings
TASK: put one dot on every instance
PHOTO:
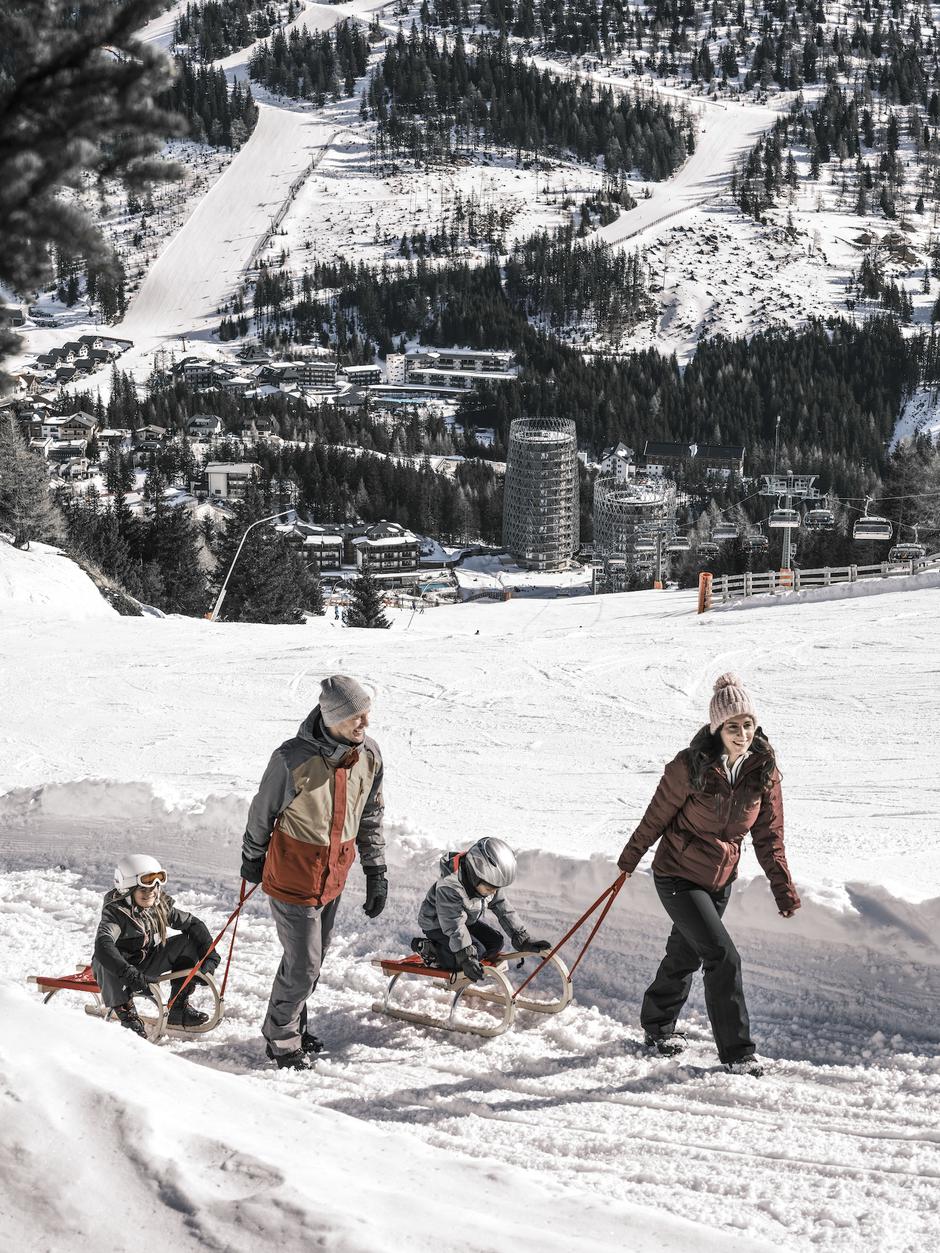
(698, 940)
(486, 940)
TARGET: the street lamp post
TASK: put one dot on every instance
(218, 604)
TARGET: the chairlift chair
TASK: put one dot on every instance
(708, 549)
(678, 544)
(724, 531)
(909, 550)
(819, 519)
(756, 543)
(784, 519)
(644, 544)
(872, 527)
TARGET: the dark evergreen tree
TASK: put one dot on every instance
(365, 608)
(270, 582)
(26, 508)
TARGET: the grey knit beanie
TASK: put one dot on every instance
(341, 697)
(730, 700)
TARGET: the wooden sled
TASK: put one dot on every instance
(153, 1013)
(495, 996)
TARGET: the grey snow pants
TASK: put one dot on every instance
(304, 932)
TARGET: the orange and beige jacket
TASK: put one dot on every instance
(700, 820)
(317, 803)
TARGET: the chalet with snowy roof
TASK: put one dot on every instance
(63, 451)
(313, 372)
(718, 459)
(109, 343)
(362, 375)
(618, 462)
(115, 439)
(386, 547)
(204, 426)
(12, 315)
(253, 354)
(196, 372)
(79, 425)
(321, 547)
(147, 433)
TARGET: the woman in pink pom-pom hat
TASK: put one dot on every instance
(724, 786)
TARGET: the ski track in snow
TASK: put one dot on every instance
(549, 728)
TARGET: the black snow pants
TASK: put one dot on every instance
(486, 940)
(179, 952)
(698, 940)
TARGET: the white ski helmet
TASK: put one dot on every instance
(138, 870)
(492, 861)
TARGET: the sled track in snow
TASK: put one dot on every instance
(837, 1148)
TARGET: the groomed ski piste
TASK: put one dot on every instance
(549, 728)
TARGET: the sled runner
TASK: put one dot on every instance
(487, 1008)
(495, 996)
(153, 1012)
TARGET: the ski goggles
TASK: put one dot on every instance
(152, 879)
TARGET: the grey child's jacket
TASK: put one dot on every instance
(450, 908)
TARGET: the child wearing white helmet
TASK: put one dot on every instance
(451, 915)
(132, 948)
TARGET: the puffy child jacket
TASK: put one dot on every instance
(127, 934)
(451, 908)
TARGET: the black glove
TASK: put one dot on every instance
(252, 868)
(211, 964)
(522, 944)
(376, 891)
(135, 982)
(469, 963)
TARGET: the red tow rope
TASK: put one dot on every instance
(233, 917)
(609, 895)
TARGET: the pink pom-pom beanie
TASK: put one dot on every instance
(730, 700)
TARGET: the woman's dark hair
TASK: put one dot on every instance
(707, 748)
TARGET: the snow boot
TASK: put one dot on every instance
(297, 1060)
(182, 1014)
(669, 1045)
(746, 1066)
(425, 950)
(310, 1043)
(128, 1017)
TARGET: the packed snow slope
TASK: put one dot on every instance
(549, 728)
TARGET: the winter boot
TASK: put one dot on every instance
(128, 1017)
(425, 950)
(310, 1043)
(746, 1066)
(297, 1060)
(669, 1045)
(182, 1014)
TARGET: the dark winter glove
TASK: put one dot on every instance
(252, 869)
(469, 963)
(376, 891)
(537, 946)
(135, 982)
(211, 964)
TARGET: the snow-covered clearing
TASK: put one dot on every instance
(549, 728)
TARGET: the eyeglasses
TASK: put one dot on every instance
(151, 879)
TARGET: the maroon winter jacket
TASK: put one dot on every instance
(701, 820)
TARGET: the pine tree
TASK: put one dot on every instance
(26, 509)
(76, 93)
(366, 608)
(270, 581)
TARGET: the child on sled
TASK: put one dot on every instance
(451, 915)
(132, 948)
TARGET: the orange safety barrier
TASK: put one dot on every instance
(704, 591)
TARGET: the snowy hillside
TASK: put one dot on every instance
(549, 727)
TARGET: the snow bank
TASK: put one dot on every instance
(41, 581)
(840, 591)
(106, 1137)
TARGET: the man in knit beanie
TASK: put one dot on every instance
(319, 802)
